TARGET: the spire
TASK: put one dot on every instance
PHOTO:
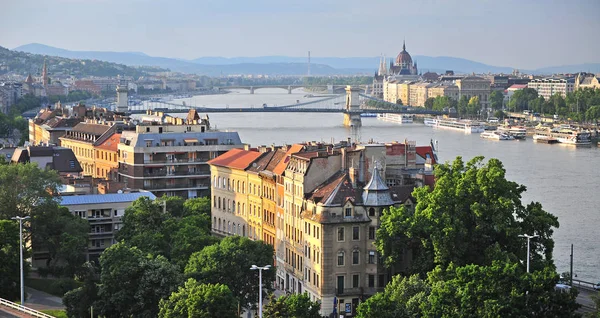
(376, 192)
(404, 45)
(44, 74)
(381, 70)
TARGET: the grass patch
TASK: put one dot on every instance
(55, 313)
(56, 287)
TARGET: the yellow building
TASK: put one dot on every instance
(585, 80)
(107, 158)
(83, 140)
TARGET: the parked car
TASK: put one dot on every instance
(597, 286)
(562, 288)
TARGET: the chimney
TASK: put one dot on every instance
(344, 159)
(353, 174)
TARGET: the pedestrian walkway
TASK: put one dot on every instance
(40, 300)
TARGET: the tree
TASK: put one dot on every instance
(502, 289)
(25, 188)
(472, 216)
(429, 103)
(496, 100)
(199, 300)
(474, 106)
(132, 283)
(229, 262)
(64, 236)
(295, 305)
(79, 300)
(593, 114)
(399, 102)
(9, 259)
(462, 105)
(402, 297)
(148, 227)
(441, 102)
(520, 99)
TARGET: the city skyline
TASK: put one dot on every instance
(524, 35)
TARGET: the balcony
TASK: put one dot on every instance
(109, 233)
(177, 160)
(181, 186)
(181, 173)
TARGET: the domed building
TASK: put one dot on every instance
(404, 64)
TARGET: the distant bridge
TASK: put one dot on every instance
(330, 88)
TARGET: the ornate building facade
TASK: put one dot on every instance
(402, 69)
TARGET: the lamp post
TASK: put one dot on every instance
(529, 237)
(20, 218)
(260, 269)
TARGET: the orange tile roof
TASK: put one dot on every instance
(235, 158)
(423, 151)
(280, 168)
(111, 143)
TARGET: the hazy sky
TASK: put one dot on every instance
(518, 33)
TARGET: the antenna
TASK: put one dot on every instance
(308, 74)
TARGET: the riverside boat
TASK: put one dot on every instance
(515, 131)
(430, 121)
(467, 126)
(570, 136)
(543, 136)
(368, 115)
(396, 118)
(496, 135)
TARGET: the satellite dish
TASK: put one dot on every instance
(254, 164)
(120, 191)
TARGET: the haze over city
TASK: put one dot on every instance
(520, 34)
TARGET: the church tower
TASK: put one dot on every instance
(44, 74)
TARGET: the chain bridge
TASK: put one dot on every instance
(352, 105)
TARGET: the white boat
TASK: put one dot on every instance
(567, 135)
(467, 126)
(516, 131)
(396, 118)
(368, 115)
(543, 135)
(430, 121)
(496, 135)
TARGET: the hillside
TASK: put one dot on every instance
(27, 63)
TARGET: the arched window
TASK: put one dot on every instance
(219, 203)
(219, 186)
(228, 205)
(243, 187)
(233, 207)
(355, 257)
(214, 225)
(219, 224)
(238, 186)
(228, 184)
(228, 227)
(214, 201)
(238, 208)
(371, 212)
(340, 258)
(224, 204)
(234, 228)
(243, 230)
(239, 229)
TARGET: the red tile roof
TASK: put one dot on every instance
(280, 168)
(518, 86)
(111, 143)
(423, 151)
(235, 158)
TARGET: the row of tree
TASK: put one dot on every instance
(580, 105)
(467, 256)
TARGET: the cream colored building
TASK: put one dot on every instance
(546, 87)
(471, 86)
(584, 80)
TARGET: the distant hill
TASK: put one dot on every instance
(30, 63)
(286, 65)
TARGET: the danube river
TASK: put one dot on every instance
(563, 178)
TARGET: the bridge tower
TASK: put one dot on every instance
(289, 89)
(251, 89)
(352, 110)
(122, 101)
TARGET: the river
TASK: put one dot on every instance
(563, 178)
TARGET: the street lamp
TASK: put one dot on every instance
(20, 218)
(260, 269)
(529, 237)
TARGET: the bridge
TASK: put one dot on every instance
(352, 105)
(330, 88)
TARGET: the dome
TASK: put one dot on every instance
(403, 59)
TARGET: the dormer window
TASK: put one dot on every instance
(348, 212)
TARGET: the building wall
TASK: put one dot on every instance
(548, 87)
(85, 153)
(475, 86)
(230, 208)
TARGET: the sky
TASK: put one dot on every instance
(524, 34)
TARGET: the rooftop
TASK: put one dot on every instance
(104, 198)
(236, 159)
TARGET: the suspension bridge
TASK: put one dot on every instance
(352, 105)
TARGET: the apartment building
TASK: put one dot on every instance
(546, 87)
(104, 213)
(471, 86)
(169, 155)
(84, 140)
(327, 201)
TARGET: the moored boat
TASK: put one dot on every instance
(495, 135)
(396, 118)
(515, 131)
(570, 136)
(430, 121)
(467, 126)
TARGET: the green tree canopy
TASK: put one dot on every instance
(429, 103)
(9, 259)
(520, 100)
(474, 106)
(79, 300)
(25, 189)
(496, 100)
(402, 297)
(199, 301)
(472, 216)
(63, 235)
(229, 262)
(463, 102)
(132, 284)
(501, 289)
(176, 234)
(295, 305)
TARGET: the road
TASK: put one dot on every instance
(585, 299)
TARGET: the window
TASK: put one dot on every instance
(355, 233)
(348, 212)
(371, 280)
(381, 282)
(340, 284)
(371, 212)
(371, 232)
(340, 261)
(355, 280)
(371, 257)
(355, 256)
(340, 237)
